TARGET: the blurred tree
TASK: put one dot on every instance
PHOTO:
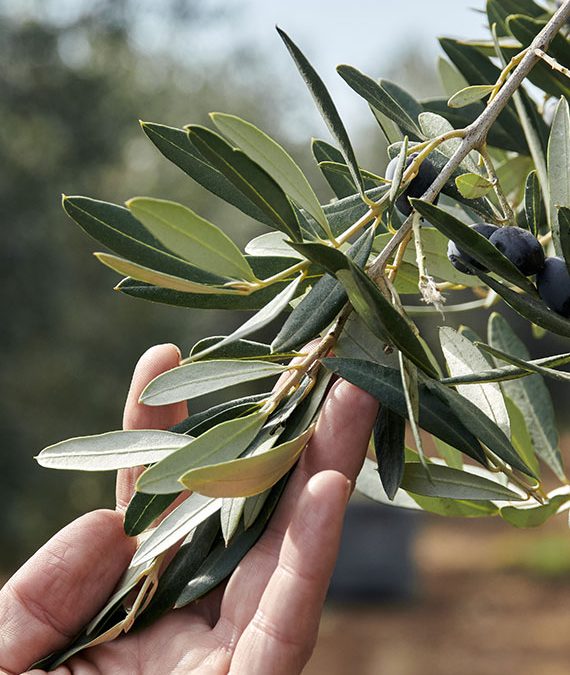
(73, 85)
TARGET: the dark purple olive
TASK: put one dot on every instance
(521, 247)
(553, 285)
(457, 257)
(426, 175)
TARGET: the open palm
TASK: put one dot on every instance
(264, 620)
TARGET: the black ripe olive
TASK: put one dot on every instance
(426, 175)
(457, 257)
(553, 285)
(521, 247)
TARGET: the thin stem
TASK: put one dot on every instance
(553, 63)
(508, 213)
(534, 491)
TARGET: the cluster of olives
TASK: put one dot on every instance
(518, 245)
(525, 252)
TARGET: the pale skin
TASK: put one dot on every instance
(263, 620)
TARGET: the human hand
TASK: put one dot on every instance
(263, 620)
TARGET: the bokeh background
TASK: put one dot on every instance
(75, 76)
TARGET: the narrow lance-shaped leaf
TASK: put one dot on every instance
(115, 227)
(166, 281)
(463, 357)
(185, 517)
(473, 186)
(111, 451)
(389, 444)
(385, 384)
(529, 307)
(144, 509)
(399, 171)
(271, 244)
(341, 184)
(203, 377)
(559, 168)
(534, 204)
(472, 243)
(271, 311)
(561, 376)
(443, 481)
(221, 443)
(191, 237)
(564, 230)
(520, 436)
(533, 516)
(247, 476)
(379, 98)
(231, 515)
(248, 177)
(530, 395)
(485, 429)
(175, 145)
(325, 105)
(410, 386)
(469, 95)
(324, 301)
(272, 157)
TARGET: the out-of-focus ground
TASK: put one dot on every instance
(489, 599)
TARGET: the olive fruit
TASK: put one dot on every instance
(553, 285)
(427, 173)
(521, 247)
(457, 257)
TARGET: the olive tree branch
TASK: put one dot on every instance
(475, 134)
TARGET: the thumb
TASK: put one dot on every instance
(61, 587)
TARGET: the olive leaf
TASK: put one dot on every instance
(389, 444)
(558, 158)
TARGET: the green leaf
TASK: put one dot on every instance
(534, 204)
(564, 232)
(511, 176)
(473, 243)
(185, 517)
(443, 481)
(175, 145)
(325, 105)
(529, 307)
(533, 516)
(230, 516)
(270, 312)
(525, 29)
(398, 171)
(252, 508)
(240, 349)
(222, 560)
(381, 317)
(472, 185)
(196, 379)
(166, 281)
(478, 69)
(525, 365)
(111, 451)
(191, 237)
(530, 395)
(435, 125)
(343, 213)
(341, 184)
(450, 455)
(389, 443)
(143, 510)
(321, 305)
(463, 357)
(520, 437)
(385, 384)
(451, 79)
(248, 177)
(357, 341)
(271, 244)
(200, 422)
(499, 10)
(246, 476)
(378, 97)
(469, 95)
(559, 168)
(435, 249)
(115, 227)
(181, 570)
(456, 508)
(508, 372)
(275, 160)
(480, 425)
(223, 442)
